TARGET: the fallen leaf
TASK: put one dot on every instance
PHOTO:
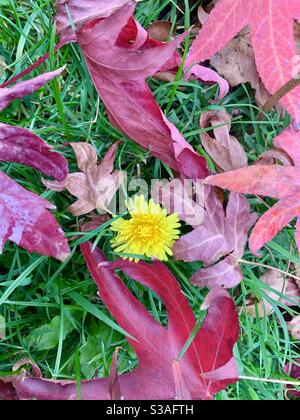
(221, 234)
(26, 88)
(26, 221)
(226, 272)
(47, 336)
(274, 156)
(96, 185)
(224, 149)
(274, 54)
(3, 66)
(281, 182)
(95, 221)
(236, 62)
(206, 367)
(178, 196)
(119, 72)
(2, 327)
(82, 11)
(209, 76)
(292, 292)
(22, 146)
(120, 57)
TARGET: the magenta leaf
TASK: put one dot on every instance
(26, 221)
(83, 11)
(26, 88)
(120, 72)
(219, 235)
(22, 146)
(207, 365)
(96, 185)
(226, 272)
(274, 54)
(113, 384)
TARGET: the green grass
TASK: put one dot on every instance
(51, 310)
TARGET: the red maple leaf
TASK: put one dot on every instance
(272, 31)
(206, 367)
(281, 182)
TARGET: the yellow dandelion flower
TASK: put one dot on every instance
(149, 231)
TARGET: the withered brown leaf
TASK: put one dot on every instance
(224, 149)
(96, 185)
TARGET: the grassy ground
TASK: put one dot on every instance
(51, 310)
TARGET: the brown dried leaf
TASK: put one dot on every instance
(96, 185)
(274, 156)
(236, 62)
(224, 149)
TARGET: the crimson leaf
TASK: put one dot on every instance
(206, 367)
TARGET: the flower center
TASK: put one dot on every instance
(146, 228)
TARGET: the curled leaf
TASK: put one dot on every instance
(26, 221)
(82, 11)
(113, 383)
(224, 149)
(26, 88)
(22, 146)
